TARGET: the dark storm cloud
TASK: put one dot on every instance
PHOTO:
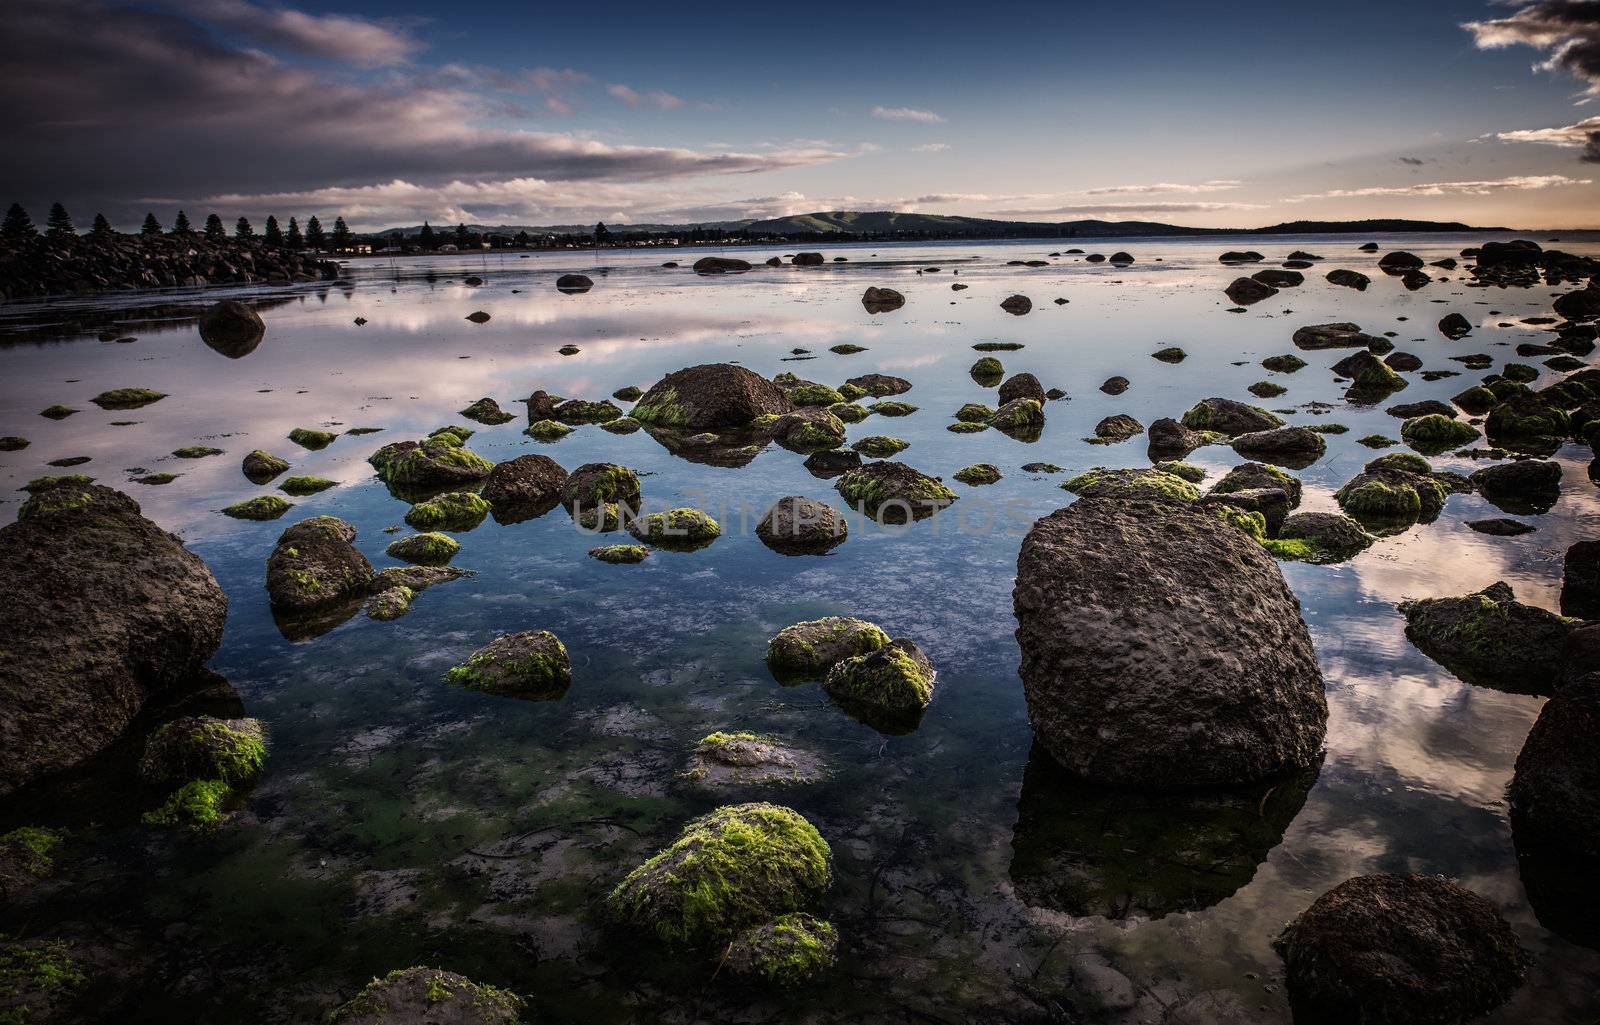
(110, 105)
(1568, 29)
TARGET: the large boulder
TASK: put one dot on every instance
(1526, 487)
(720, 265)
(882, 300)
(102, 611)
(806, 651)
(1490, 638)
(711, 397)
(1161, 648)
(1399, 950)
(523, 487)
(1580, 581)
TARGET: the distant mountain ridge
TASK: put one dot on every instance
(888, 222)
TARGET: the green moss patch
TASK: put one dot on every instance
(262, 507)
(127, 398)
(311, 438)
(301, 486)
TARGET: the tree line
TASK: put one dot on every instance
(19, 225)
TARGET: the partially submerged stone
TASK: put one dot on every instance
(1143, 485)
(532, 665)
(1524, 487)
(806, 651)
(429, 549)
(315, 564)
(12, 443)
(882, 300)
(1019, 417)
(455, 511)
(741, 758)
(390, 603)
(261, 466)
(1388, 500)
(547, 430)
(1161, 648)
(439, 462)
(880, 385)
(739, 866)
(101, 612)
(27, 855)
(1332, 336)
(231, 328)
(978, 474)
(787, 952)
(887, 688)
(680, 530)
(1320, 538)
(711, 397)
(1434, 433)
(1490, 638)
(487, 411)
(524, 487)
(261, 507)
(1114, 429)
(1295, 447)
(306, 485)
(1021, 386)
(1230, 417)
(127, 398)
(201, 747)
(880, 446)
(311, 438)
(196, 451)
(594, 483)
(1400, 949)
(429, 996)
(893, 492)
(582, 411)
(620, 555)
(796, 525)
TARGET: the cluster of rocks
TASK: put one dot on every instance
(48, 265)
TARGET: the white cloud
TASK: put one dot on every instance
(1521, 183)
(1572, 136)
(1568, 29)
(931, 147)
(1124, 209)
(634, 98)
(365, 43)
(907, 114)
(1161, 188)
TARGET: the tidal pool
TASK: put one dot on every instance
(403, 821)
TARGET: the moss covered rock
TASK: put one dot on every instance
(429, 996)
(582, 411)
(201, 747)
(978, 474)
(455, 510)
(12, 443)
(1114, 429)
(1019, 417)
(620, 555)
(787, 952)
(440, 461)
(806, 651)
(1148, 484)
(893, 492)
(487, 411)
(261, 507)
(307, 437)
(127, 398)
(1386, 499)
(1285, 364)
(593, 484)
(735, 868)
(880, 446)
(892, 407)
(712, 397)
(430, 549)
(1295, 447)
(27, 855)
(42, 982)
(261, 466)
(893, 681)
(547, 430)
(1490, 638)
(198, 806)
(1227, 416)
(988, 369)
(1435, 433)
(1320, 538)
(683, 530)
(880, 385)
(1528, 423)
(1249, 476)
(812, 394)
(532, 665)
(196, 451)
(306, 485)
(390, 603)
(315, 565)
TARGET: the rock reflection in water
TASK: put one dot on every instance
(1089, 850)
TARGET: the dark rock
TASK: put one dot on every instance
(832, 463)
(232, 328)
(1137, 673)
(1455, 326)
(1418, 950)
(1119, 427)
(1022, 386)
(1248, 291)
(893, 492)
(1279, 278)
(1327, 538)
(260, 467)
(487, 411)
(1016, 305)
(1580, 582)
(1523, 488)
(797, 525)
(1271, 503)
(720, 265)
(1399, 261)
(1349, 279)
(880, 385)
(1501, 527)
(1490, 638)
(523, 487)
(1114, 385)
(532, 665)
(1333, 336)
(102, 612)
(808, 260)
(315, 565)
(575, 283)
(882, 300)
(1427, 407)
(1235, 256)
(1249, 476)
(1169, 439)
(1404, 362)
(1287, 446)
(429, 996)
(1230, 417)
(711, 397)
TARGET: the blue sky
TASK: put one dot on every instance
(1204, 114)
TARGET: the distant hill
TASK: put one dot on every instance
(890, 223)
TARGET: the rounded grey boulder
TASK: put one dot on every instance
(1161, 648)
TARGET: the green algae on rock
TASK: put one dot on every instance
(1491, 639)
(127, 398)
(199, 806)
(811, 394)
(581, 411)
(880, 446)
(620, 555)
(532, 665)
(196, 452)
(261, 507)
(12, 443)
(428, 549)
(390, 603)
(1020, 417)
(311, 438)
(1319, 538)
(741, 758)
(988, 369)
(736, 867)
(1146, 484)
(1285, 364)
(156, 479)
(683, 530)
(789, 951)
(974, 412)
(411, 996)
(547, 430)
(1230, 417)
(1435, 433)
(455, 511)
(965, 427)
(893, 492)
(487, 411)
(978, 474)
(893, 408)
(201, 747)
(895, 680)
(806, 651)
(27, 855)
(302, 486)
(1266, 390)
(40, 981)
(261, 466)
(57, 412)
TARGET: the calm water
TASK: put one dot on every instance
(403, 821)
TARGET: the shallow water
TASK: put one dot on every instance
(404, 821)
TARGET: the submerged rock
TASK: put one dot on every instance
(261, 507)
(436, 463)
(1490, 638)
(260, 467)
(1319, 538)
(102, 611)
(430, 549)
(231, 750)
(739, 866)
(784, 953)
(455, 510)
(1400, 949)
(737, 758)
(832, 463)
(1161, 648)
(679, 530)
(1525, 487)
(487, 411)
(1150, 485)
(429, 996)
(532, 665)
(711, 397)
(797, 525)
(806, 651)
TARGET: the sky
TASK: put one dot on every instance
(503, 112)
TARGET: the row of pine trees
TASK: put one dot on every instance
(19, 225)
